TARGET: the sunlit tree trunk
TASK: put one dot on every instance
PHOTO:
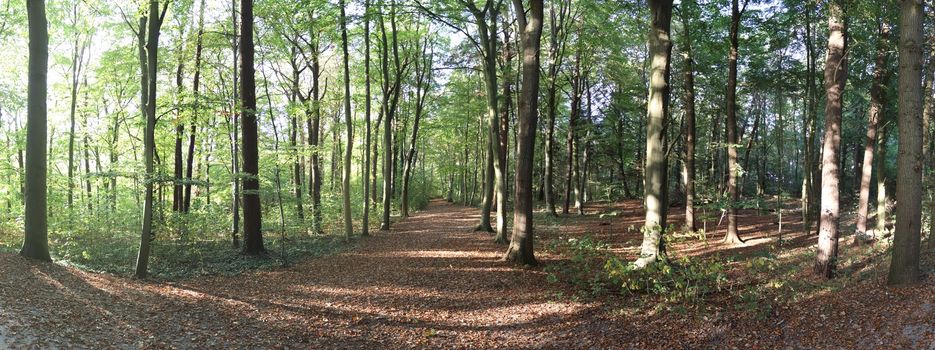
(877, 96)
(36, 240)
(154, 23)
(905, 264)
(660, 51)
(521, 244)
(732, 236)
(835, 79)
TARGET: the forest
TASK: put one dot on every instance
(467, 174)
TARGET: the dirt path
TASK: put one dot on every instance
(428, 283)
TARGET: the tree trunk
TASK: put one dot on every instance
(689, 89)
(732, 236)
(349, 125)
(556, 54)
(178, 189)
(835, 79)
(660, 50)
(521, 244)
(810, 183)
(877, 97)
(905, 264)
(36, 240)
(252, 222)
(154, 23)
(196, 85)
(365, 226)
(423, 82)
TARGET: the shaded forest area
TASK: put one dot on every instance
(467, 174)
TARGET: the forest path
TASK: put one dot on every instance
(428, 283)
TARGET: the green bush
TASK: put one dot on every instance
(595, 270)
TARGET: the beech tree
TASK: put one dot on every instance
(149, 29)
(905, 264)
(252, 233)
(733, 167)
(521, 243)
(835, 79)
(36, 242)
(660, 48)
(876, 108)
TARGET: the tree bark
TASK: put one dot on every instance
(835, 80)
(732, 236)
(905, 264)
(877, 97)
(196, 86)
(36, 240)
(365, 226)
(660, 50)
(252, 222)
(521, 244)
(556, 54)
(689, 162)
(349, 130)
(154, 23)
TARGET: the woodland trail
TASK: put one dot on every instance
(430, 283)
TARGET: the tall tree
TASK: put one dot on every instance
(521, 244)
(36, 242)
(153, 24)
(423, 72)
(365, 228)
(876, 108)
(733, 168)
(253, 235)
(835, 80)
(660, 51)
(557, 40)
(904, 266)
(689, 91)
(196, 86)
(349, 130)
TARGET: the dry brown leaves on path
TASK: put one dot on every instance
(428, 283)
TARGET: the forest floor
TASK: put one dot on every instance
(432, 283)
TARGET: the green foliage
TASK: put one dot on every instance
(594, 270)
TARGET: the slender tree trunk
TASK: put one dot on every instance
(494, 181)
(349, 125)
(154, 23)
(423, 82)
(556, 54)
(235, 151)
(365, 227)
(732, 236)
(881, 177)
(178, 189)
(36, 240)
(196, 85)
(689, 89)
(660, 50)
(835, 80)
(877, 97)
(521, 244)
(253, 235)
(810, 183)
(905, 264)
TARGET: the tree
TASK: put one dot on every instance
(557, 39)
(689, 90)
(423, 82)
(365, 228)
(877, 96)
(904, 266)
(660, 50)
(521, 244)
(196, 86)
(152, 22)
(349, 126)
(252, 221)
(835, 79)
(733, 167)
(36, 242)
